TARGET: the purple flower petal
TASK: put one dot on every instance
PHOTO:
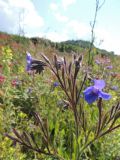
(97, 61)
(55, 84)
(104, 95)
(92, 93)
(28, 67)
(90, 98)
(28, 57)
(29, 60)
(109, 67)
(99, 84)
(88, 90)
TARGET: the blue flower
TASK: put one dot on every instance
(109, 67)
(55, 84)
(94, 92)
(29, 60)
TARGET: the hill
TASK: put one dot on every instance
(36, 45)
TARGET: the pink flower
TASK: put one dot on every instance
(2, 79)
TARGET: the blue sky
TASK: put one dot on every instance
(60, 20)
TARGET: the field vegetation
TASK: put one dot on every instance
(56, 106)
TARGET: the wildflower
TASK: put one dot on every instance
(55, 84)
(92, 93)
(109, 67)
(29, 60)
(97, 62)
(2, 79)
(15, 82)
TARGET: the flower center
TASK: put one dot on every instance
(95, 90)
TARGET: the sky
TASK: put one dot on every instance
(61, 20)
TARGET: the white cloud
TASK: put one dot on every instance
(34, 34)
(67, 3)
(15, 12)
(57, 37)
(53, 6)
(61, 18)
(102, 34)
(80, 30)
(110, 41)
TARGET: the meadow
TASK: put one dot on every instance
(57, 102)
